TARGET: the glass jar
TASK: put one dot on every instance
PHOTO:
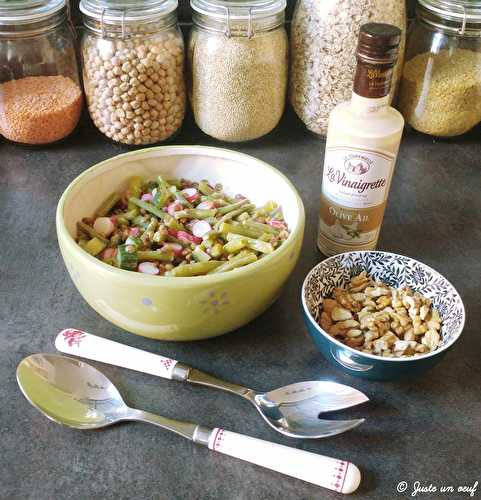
(440, 90)
(133, 67)
(238, 58)
(40, 93)
(323, 46)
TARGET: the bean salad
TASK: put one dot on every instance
(181, 228)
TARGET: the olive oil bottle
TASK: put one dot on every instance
(362, 144)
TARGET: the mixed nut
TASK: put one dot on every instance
(375, 318)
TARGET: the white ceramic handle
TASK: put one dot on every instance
(337, 475)
(86, 345)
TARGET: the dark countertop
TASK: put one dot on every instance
(425, 430)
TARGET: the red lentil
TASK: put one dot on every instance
(39, 109)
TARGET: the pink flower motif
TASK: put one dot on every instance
(73, 337)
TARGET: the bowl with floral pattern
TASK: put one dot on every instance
(180, 308)
(396, 271)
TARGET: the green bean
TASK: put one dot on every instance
(90, 231)
(204, 187)
(217, 250)
(265, 228)
(195, 213)
(155, 255)
(195, 269)
(94, 246)
(107, 205)
(234, 263)
(234, 213)
(163, 194)
(175, 182)
(135, 189)
(233, 227)
(233, 206)
(199, 255)
(253, 244)
(148, 207)
(171, 223)
(235, 245)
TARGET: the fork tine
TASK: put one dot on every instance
(323, 395)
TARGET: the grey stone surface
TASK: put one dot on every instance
(425, 430)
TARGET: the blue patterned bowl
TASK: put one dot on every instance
(396, 270)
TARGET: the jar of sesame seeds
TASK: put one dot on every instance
(40, 93)
(133, 67)
(238, 58)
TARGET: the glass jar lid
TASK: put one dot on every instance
(460, 15)
(120, 11)
(238, 9)
(18, 12)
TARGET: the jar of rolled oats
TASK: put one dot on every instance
(133, 67)
(323, 53)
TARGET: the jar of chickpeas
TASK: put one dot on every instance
(133, 67)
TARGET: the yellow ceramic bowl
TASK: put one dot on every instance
(180, 308)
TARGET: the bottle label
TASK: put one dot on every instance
(355, 186)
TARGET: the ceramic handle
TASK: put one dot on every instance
(86, 345)
(337, 475)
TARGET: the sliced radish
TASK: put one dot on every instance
(148, 268)
(190, 194)
(109, 253)
(201, 227)
(134, 231)
(206, 205)
(174, 207)
(187, 237)
(104, 226)
(277, 224)
(147, 197)
(176, 248)
(240, 197)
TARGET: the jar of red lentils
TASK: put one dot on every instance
(133, 67)
(40, 92)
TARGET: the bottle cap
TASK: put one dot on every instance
(378, 43)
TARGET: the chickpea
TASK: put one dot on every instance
(135, 89)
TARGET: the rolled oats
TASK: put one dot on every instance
(323, 43)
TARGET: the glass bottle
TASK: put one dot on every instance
(362, 144)
(40, 92)
(238, 64)
(133, 67)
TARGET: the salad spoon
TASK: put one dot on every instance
(73, 393)
(292, 410)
